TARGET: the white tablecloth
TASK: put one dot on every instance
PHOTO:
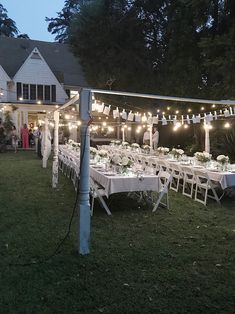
(119, 183)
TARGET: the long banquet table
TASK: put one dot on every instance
(119, 183)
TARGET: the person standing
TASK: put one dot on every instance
(14, 138)
(46, 143)
(146, 138)
(25, 137)
(155, 137)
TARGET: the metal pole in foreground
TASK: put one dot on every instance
(84, 186)
(55, 169)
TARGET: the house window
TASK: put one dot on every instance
(68, 92)
(25, 91)
(40, 92)
(47, 90)
(33, 92)
(53, 93)
(18, 90)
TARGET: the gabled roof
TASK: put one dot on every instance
(14, 51)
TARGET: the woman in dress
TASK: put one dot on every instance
(25, 136)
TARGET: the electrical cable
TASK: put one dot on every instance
(55, 252)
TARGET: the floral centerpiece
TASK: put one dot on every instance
(177, 153)
(222, 159)
(135, 145)
(202, 156)
(117, 142)
(102, 153)
(116, 160)
(125, 144)
(163, 150)
(73, 144)
(122, 162)
(93, 151)
(146, 148)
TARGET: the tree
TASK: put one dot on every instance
(7, 26)
(108, 38)
(61, 24)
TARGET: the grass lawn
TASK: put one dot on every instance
(177, 261)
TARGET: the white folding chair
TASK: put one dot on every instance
(163, 165)
(164, 181)
(203, 187)
(96, 191)
(188, 181)
(175, 171)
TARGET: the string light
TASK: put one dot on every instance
(177, 111)
(227, 125)
(168, 108)
(202, 108)
(189, 110)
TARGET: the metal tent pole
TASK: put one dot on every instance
(84, 186)
(55, 169)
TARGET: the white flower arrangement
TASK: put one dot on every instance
(163, 150)
(125, 144)
(126, 162)
(93, 150)
(135, 145)
(117, 142)
(146, 147)
(102, 153)
(177, 152)
(202, 157)
(222, 159)
(116, 160)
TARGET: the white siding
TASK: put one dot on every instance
(36, 71)
(4, 78)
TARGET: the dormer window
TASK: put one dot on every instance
(33, 92)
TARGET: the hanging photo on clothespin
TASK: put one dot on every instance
(155, 119)
(101, 108)
(144, 118)
(150, 120)
(198, 118)
(215, 115)
(206, 118)
(116, 113)
(137, 117)
(130, 116)
(94, 106)
(231, 110)
(164, 122)
(194, 119)
(226, 113)
(188, 119)
(124, 114)
(210, 115)
(175, 120)
(107, 110)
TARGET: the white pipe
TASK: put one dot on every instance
(207, 138)
(171, 98)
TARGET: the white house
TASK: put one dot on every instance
(36, 76)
